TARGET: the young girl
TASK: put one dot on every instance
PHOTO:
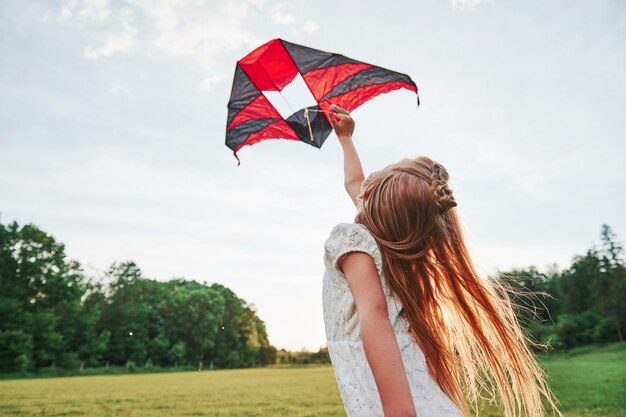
(412, 330)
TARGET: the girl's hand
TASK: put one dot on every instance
(341, 121)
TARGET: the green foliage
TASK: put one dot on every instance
(53, 316)
(40, 292)
(609, 288)
(303, 357)
(15, 350)
(177, 353)
(581, 305)
(577, 329)
(575, 283)
(590, 381)
(267, 355)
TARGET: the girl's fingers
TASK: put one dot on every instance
(331, 118)
(339, 110)
(335, 118)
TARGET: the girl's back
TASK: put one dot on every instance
(356, 382)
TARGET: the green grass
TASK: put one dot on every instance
(588, 384)
(244, 392)
(588, 381)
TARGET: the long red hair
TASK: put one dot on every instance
(465, 324)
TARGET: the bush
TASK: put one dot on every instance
(604, 331)
(15, 351)
(267, 355)
(23, 363)
(69, 361)
(577, 329)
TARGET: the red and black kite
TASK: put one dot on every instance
(283, 91)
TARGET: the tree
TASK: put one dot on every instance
(177, 353)
(577, 281)
(93, 341)
(124, 315)
(609, 289)
(613, 250)
(44, 291)
(241, 333)
(15, 350)
(192, 313)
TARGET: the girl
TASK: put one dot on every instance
(412, 330)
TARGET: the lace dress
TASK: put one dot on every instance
(354, 377)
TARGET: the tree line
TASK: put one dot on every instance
(580, 305)
(53, 315)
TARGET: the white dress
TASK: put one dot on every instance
(354, 377)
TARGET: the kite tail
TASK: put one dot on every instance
(236, 157)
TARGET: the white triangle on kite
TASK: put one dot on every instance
(294, 97)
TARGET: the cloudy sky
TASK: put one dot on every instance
(113, 113)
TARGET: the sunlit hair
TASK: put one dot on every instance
(465, 324)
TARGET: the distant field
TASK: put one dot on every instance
(591, 384)
(297, 392)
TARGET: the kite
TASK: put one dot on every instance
(284, 91)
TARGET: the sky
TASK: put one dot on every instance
(113, 117)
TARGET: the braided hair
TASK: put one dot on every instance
(439, 185)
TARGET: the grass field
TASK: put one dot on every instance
(591, 383)
(588, 384)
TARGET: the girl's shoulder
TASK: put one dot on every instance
(349, 233)
(350, 237)
(350, 229)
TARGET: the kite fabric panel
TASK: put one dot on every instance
(260, 106)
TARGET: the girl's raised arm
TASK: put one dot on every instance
(353, 172)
